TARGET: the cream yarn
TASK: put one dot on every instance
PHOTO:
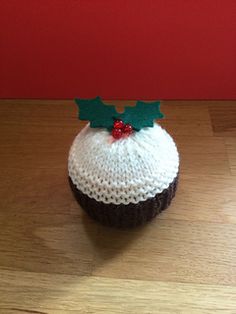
(125, 171)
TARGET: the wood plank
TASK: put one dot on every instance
(61, 294)
(206, 198)
(186, 118)
(223, 118)
(167, 250)
(55, 247)
(200, 155)
(231, 151)
(38, 218)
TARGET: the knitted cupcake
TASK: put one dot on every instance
(123, 167)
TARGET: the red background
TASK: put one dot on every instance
(167, 49)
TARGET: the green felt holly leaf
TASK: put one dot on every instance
(103, 116)
(95, 111)
(142, 115)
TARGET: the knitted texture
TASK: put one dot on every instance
(125, 171)
(126, 216)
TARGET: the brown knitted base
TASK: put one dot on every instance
(125, 216)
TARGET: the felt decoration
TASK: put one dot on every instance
(142, 115)
(95, 111)
(101, 115)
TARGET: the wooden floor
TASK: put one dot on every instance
(54, 259)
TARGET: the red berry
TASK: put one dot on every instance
(128, 129)
(117, 133)
(118, 124)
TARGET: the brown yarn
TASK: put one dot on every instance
(125, 216)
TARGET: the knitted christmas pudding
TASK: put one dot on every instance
(123, 167)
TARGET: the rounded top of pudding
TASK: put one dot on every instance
(128, 170)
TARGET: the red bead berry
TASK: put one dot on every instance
(118, 124)
(116, 133)
(128, 129)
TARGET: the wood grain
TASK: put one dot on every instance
(55, 259)
(230, 143)
(86, 294)
(223, 118)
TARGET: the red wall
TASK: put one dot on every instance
(152, 49)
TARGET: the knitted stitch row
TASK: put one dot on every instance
(126, 171)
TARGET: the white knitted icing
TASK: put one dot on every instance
(125, 171)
